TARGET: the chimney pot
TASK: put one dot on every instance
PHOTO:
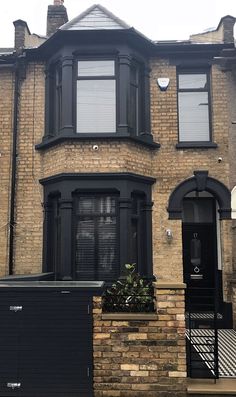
(58, 2)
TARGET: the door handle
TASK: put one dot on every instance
(15, 308)
(14, 385)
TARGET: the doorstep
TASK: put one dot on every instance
(222, 386)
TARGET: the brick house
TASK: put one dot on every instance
(117, 149)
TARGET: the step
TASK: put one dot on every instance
(206, 387)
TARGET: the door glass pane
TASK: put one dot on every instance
(96, 106)
(195, 81)
(96, 68)
(198, 211)
(193, 116)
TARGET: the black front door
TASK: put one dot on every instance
(200, 252)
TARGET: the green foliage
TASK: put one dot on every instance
(131, 294)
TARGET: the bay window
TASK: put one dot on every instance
(95, 224)
(97, 96)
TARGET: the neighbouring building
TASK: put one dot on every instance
(114, 149)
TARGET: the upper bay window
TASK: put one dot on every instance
(194, 106)
(102, 96)
(96, 96)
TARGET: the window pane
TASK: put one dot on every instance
(193, 116)
(106, 205)
(96, 238)
(85, 249)
(96, 68)
(96, 106)
(188, 81)
(107, 248)
(86, 205)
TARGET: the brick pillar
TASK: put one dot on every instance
(170, 304)
(141, 354)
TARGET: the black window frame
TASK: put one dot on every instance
(65, 187)
(126, 60)
(137, 84)
(57, 97)
(196, 71)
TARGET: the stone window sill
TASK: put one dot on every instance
(196, 145)
(130, 316)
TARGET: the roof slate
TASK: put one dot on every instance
(95, 17)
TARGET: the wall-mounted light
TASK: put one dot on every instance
(169, 235)
(163, 83)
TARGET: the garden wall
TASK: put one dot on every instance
(138, 354)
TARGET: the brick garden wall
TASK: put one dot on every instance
(138, 357)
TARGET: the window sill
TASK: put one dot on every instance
(144, 140)
(196, 145)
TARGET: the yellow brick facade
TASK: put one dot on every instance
(168, 165)
(134, 354)
(6, 116)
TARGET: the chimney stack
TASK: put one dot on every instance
(56, 17)
(227, 23)
(21, 33)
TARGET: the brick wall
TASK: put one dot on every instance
(171, 166)
(29, 194)
(168, 165)
(232, 136)
(6, 115)
(141, 357)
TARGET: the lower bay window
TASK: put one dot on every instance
(95, 224)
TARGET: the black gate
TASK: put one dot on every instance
(202, 333)
(45, 342)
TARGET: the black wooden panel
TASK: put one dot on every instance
(46, 346)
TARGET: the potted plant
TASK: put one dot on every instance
(130, 294)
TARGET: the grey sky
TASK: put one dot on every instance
(157, 19)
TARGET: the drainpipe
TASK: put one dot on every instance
(13, 168)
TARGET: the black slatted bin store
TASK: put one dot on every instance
(46, 338)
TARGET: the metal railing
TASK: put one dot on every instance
(202, 333)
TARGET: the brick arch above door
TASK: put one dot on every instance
(199, 182)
